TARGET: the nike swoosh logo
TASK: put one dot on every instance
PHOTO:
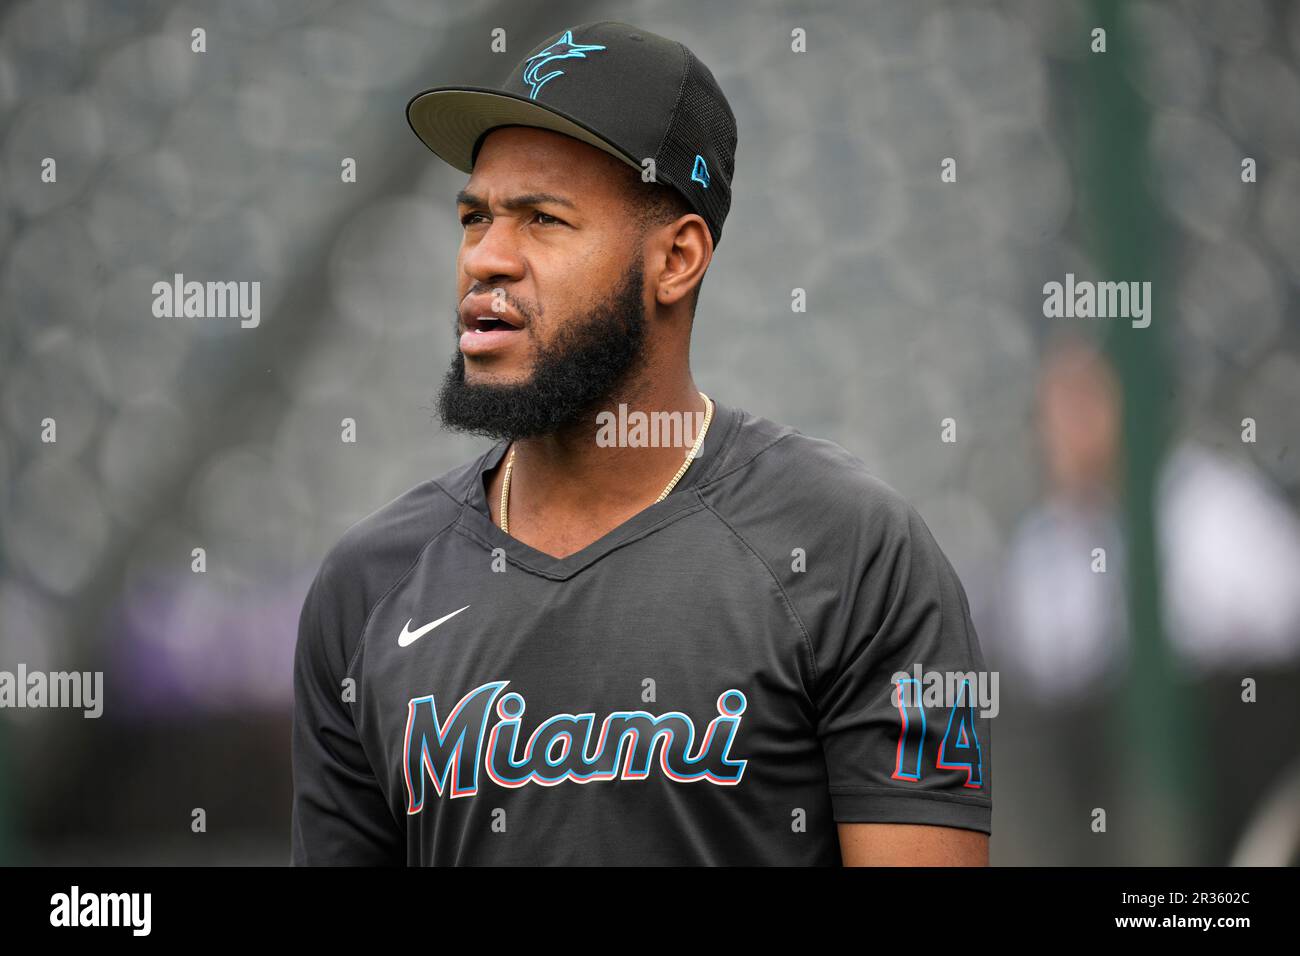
(408, 636)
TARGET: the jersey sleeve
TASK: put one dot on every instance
(902, 681)
(339, 816)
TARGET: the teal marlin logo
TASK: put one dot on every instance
(701, 171)
(562, 49)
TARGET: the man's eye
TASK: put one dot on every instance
(472, 217)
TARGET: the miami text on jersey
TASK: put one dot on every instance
(558, 749)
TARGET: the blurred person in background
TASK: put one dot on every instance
(1230, 563)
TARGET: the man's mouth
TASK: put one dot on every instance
(485, 334)
(486, 323)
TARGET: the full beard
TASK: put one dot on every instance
(571, 379)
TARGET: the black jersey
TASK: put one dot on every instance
(719, 680)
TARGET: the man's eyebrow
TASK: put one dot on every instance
(512, 203)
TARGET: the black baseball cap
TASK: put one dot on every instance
(625, 90)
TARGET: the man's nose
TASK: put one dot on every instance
(494, 253)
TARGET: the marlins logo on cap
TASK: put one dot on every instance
(562, 49)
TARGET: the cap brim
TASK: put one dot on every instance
(450, 120)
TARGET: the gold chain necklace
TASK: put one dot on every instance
(695, 450)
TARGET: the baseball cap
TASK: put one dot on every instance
(632, 93)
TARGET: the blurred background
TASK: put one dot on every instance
(1120, 689)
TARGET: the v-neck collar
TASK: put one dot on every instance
(475, 518)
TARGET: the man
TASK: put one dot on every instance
(592, 646)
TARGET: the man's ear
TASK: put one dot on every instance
(686, 256)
